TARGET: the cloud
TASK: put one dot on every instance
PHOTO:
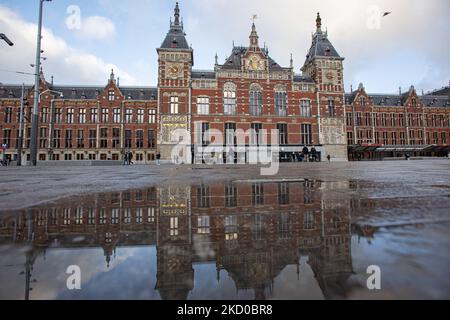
(68, 64)
(97, 27)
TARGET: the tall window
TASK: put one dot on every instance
(257, 194)
(69, 118)
(174, 105)
(358, 118)
(92, 138)
(69, 138)
(80, 139)
(58, 115)
(230, 196)
(94, 115)
(305, 108)
(105, 115)
(8, 115)
(111, 96)
(230, 134)
(331, 108)
(151, 116)
(202, 105)
(280, 103)
(256, 134)
(128, 137)
(104, 138)
(306, 134)
(116, 138)
(44, 115)
(283, 193)
(229, 99)
(139, 139)
(255, 101)
(82, 115)
(282, 133)
(203, 225)
(203, 197)
(140, 116)
(129, 115)
(116, 115)
(57, 138)
(7, 137)
(151, 139)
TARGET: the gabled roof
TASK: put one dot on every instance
(303, 78)
(203, 74)
(175, 38)
(321, 46)
(234, 60)
(82, 92)
(392, 100)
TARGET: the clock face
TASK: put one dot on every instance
(255, 63)
(174, 71)
(330, 76)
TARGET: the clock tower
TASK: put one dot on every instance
(175, 61)
(325, 66)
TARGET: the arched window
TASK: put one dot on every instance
(255, 99)
(280, 100)
(229, 98)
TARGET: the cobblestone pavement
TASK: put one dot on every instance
(21, 187)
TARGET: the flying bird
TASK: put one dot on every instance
(386, 13)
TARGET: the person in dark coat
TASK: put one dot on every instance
(130, 158)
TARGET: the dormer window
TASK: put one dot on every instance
(111, 96)
(414, 102)
(362, 101)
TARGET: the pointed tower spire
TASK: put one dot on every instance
(319, 23)
(112, 77)
(217, 59)
(254, 37)
(177, 15)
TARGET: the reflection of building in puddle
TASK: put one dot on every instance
(250, 230)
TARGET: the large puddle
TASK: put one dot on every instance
(298, 239)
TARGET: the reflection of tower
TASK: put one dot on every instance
(332, 263)
(175, 275)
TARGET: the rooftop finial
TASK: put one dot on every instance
(177, 15)
(111, 77)
(254, 35)
(217, 59)
(319, 22)
(292, 62)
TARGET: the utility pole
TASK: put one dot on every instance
(35, 115)
(20, 142)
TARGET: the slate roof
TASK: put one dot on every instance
(175, 38)
(321, 47)
(82, 92)
(391, 100)
(203, 74)
(302, 78)
(234, 60)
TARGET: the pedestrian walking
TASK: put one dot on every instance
(158, 158)
(125, 158)
(329, 158)
(130, 158)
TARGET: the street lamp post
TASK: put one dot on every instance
(20, 142)
(35, 115)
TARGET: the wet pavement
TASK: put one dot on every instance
(238, 236)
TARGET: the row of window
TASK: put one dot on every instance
(86, 138)
(203, 105)
(398, 138)
(72, 115)
(257, 135)
(81, 216)
(397, 120)
(231, 196)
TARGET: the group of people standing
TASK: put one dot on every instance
(128, 158)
